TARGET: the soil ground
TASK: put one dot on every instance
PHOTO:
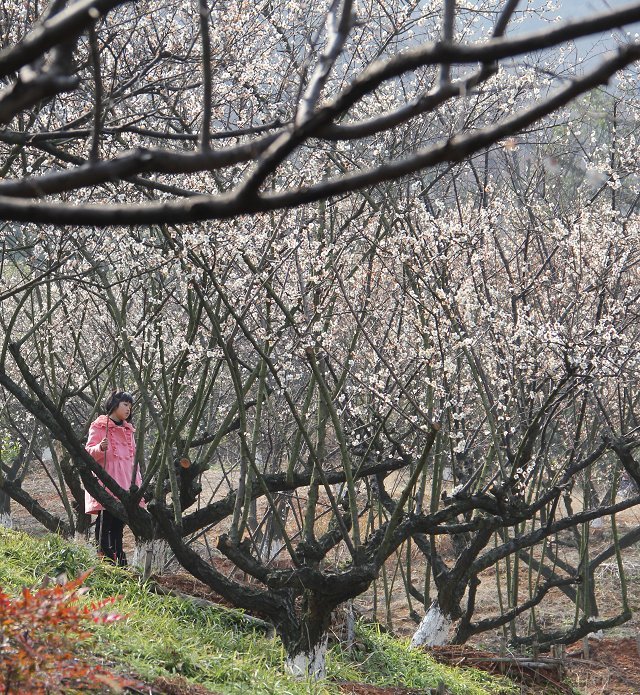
(612, 667)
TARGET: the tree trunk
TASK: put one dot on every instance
(304, 634)
(350, 626)
(150, 557)
(309, 661)
(6, 520)
(272, 549)
(5, 510)
(434, 628)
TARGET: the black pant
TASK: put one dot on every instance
(109, 531)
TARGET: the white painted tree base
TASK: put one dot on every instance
(350, 623)
(273, 551)
(6, 520)
(150, 557)
(311, 664)
(434, 628)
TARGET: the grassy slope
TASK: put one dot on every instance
(165, 636)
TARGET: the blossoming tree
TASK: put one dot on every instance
(320, 244)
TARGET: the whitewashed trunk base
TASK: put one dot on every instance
(273, 551)
(311, 664)
(434, 628)
(150, 557)
(350, 624)
(6, 520)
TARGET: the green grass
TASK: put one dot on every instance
(167, 636)
(382, 659)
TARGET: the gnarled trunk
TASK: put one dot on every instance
(304, 634)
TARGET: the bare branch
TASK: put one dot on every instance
(448, 22)
(206, 75)
(201, 207)
(337, 32)
(94, 154)
(59, 28)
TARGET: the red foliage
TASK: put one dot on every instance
(40, 633)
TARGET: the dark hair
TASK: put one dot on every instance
(114, 400)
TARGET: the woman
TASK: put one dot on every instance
(112, 445)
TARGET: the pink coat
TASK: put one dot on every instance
(119, 459)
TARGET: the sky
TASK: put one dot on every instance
(590, 47)
(573, 9)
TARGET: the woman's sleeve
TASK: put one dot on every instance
(96, 435)
(133, 448)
